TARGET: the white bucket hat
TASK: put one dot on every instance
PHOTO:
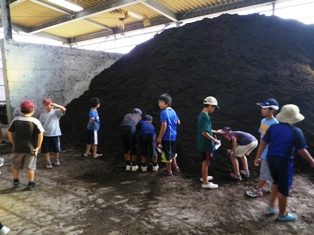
(290, 113)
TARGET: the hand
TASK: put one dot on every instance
(158, 141)
(228, 151)
(256, 162)
(216, 141)
(36, 151)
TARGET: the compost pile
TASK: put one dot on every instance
(240, 60)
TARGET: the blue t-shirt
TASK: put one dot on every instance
(145, 128)
(243, 138)
(93, 114)
(169, 116)
(265, 124)
(283, 140)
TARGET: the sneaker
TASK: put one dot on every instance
(289, 217)
(128, 167)
(87, 154)
(210, 185)
(177, 169)
(144, 168)
(166, 173)
(16, 183)
(57, 162)
(246, 173)
(155, 168)
(4, 230)
(254, 193)
(31, 186)
(235, 176)
(209, 178)
(134, 168)
(48, 165)
(271, 211)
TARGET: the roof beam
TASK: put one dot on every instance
(159, 8)
(51, 7)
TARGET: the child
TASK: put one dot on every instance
(92, 129)
(205, 140)
(26, 135)
(128, 137)
(282, 140)
(168, 132)
(147, 136)
(3, 229)
(269, 107)
(50, 121)
(243, 144)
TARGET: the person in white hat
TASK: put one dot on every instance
(283, 140)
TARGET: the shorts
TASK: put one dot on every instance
(264, 173)
(21, 160)
(169, 150)
(128, 137)
(51, 144)
(92, 137)
(281, 170)
(206, 156)
(148, 145)
(246, 149)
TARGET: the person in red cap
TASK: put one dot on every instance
(50, 121)
(26, 135)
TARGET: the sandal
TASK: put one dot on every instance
(87, 155)
(97, 156)
(287, 218)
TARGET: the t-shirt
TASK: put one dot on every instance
(145, 128)
(26, 131)
(204, 124)
(265, 124)
(50, 122)
(169, 116)
(283, 140)
(93, 114)
(243, 138)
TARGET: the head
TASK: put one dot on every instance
(94, 102)
(148, 118)
(47, 102)
(137, 111)
(164, 101)
(269, 107)
(210, 103)
(225, 130)
(27, 107)
(290, 113)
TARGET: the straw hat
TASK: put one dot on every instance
(290, 113)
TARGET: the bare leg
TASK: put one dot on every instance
(174, 162)
(273, 196)
(94, 147)
(282, 201)
(47, 157)
(260, 184)
(134, 158)
(15, 173)
(155, 159)
(88, 146)
(235, 164)
(244, 163)
(57, 155)
(168, 166)
(143, 159)
(31, 176)
(205, 165)
(127, 157)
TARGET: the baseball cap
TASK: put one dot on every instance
(137, 111)
(211, 100)
(47, 101)
(269, 103)
(226, 128)
(148, 118)
(27, 105)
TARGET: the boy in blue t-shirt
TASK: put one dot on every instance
(168, 132)
(93, 126)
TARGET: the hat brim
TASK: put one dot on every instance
(291, 120)
(267, 106)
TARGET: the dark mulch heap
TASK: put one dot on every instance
(241, 60)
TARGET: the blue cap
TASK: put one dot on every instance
(148, 118)
(269, 103)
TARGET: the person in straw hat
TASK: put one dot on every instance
(284, 139)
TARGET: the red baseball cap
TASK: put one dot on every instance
(27, 105)
(47, 101)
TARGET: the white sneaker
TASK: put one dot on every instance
(4, 230)
(155, 168)
(134, 168)
(144, 168)
(128, 167)
(209, 178)
(210, 186)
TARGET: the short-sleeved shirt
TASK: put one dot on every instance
(26, 131)
(265, 124)
(93, 114)
(50, 122)
(145, 128)
(284, 139)
(169, 116)
(204, 125)
(243, 138)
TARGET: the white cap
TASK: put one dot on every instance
(211, 100)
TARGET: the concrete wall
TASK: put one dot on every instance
(33, 71)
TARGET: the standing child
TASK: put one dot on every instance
(243, 144)
(205, 140)
(283, 139)
(93, 126)
(50, 121)
(168, 132)
(269, 107)
(147, 135)
(26, 135)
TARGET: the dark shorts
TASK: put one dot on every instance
(281, 169)
(169, 149)
(148, 145)
(128, 137)
(206, 156)
(51, 144)
(92, 137)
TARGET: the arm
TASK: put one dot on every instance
(11, 138)
(39, 142)
(208, 136)
(234, 145)
(260, 149)
(307, 156)
(62, 108)
(161, 132)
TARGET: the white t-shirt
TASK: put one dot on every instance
(50, 122)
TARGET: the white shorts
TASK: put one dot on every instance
(264, 173)
(246, 149)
